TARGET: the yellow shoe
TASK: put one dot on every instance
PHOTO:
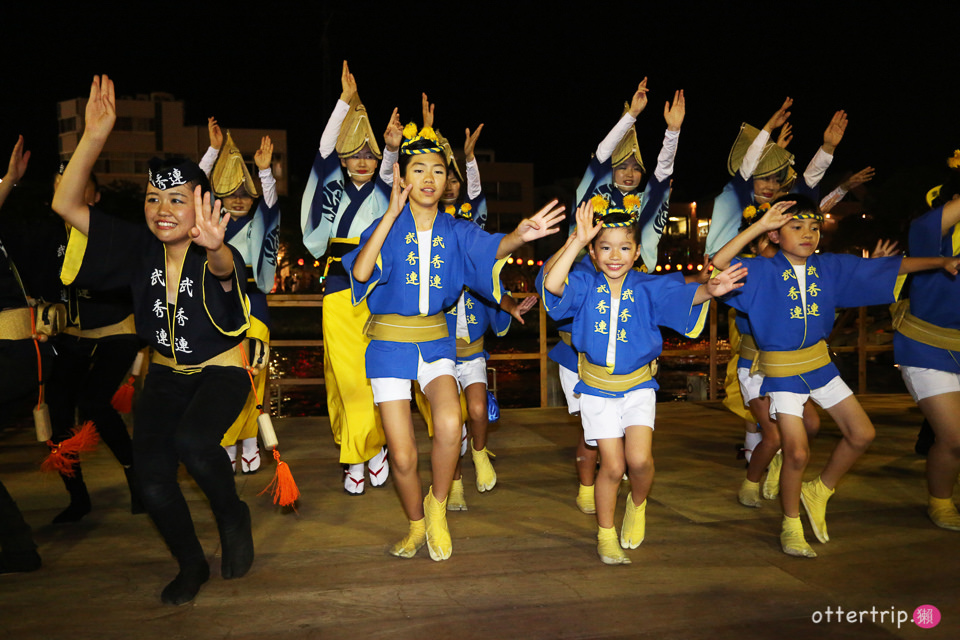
(771, 484)
(585, 500)
(749, 495)
(634, 524)
(486, 476)
(944, 513)
(439, 543)
(456, 501)
(814, 496)
(415, 538)
(608, 547)
(792, 541)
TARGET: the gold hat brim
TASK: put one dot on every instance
(356, 132)
(628, 146)
(230, 172)
(448, 155)
(773, 158)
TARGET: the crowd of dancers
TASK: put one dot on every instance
(412, 285)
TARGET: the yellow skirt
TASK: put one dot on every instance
(354, 419)
(734, 401)
(245, 426)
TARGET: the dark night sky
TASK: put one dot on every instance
(548, 85)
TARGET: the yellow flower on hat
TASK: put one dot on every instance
(466, 208)
(599, 203)
(452, 210)
(954, 162)
(428, 133)
(750, 213)
(410, 131)
(631, 201)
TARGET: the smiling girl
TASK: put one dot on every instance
(190, 307)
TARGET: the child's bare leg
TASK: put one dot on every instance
(444, 398)
(608, 479)
(586, 462)
(796, 453)
(763, 453)
(943, 459)
(477, 414)
(811, 419)
(858, 433)
(402, 444)
(639, 456)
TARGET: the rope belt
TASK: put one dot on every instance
(393, 327)
(232, 357)
(922, 331)
(124, 327)
(783, 364)
(598, 377)
(465, 350)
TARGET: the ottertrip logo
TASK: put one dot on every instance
(925, 616)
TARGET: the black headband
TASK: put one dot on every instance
(175, 176)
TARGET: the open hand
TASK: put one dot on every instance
(834, 131)
(264, 155)
(859, 178)
(884, 249)
(517, 309)
(586, 230)
(541, 224)
(101, 112)
(18, 162)
(427, 109)
(786, 135)
(393, 136)
(216, 135)
(726, 281)
(775, 217)
(398, 196)
(674, 115)
(209, 227)
(639, 101)
(471, 144)
(348, 84)
(780, 116)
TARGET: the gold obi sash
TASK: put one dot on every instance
(783, 364)
(232, 357)
(567, 338)
(17, 324)
(393, 327)
(338, 248)
(922, 331)
(748, 347)
(598, 377)
(124, 327)
(465, 350)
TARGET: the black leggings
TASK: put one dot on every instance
(86, 373)
(182, 418)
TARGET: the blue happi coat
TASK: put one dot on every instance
(646, 303)
(257, 238)
(779, 319)
(481, 314)
(934, 295)
(461, 254)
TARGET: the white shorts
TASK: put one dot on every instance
(792, 403)
(387, 389)
(610, 417)
(926, 383)
(569, 380)
(749, 384)
(472, 372)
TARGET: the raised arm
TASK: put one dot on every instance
(752, 157)
(824, 155)
(637, 105)
(348, 84)
(674, 116)
(100, 115)
(18, 166)
(427, 109)
(392, 139)
(209, 158)
(263, 158)
(556, 271)
(208, 232)
(543, 223)
(773, 219)
(912, 265)
(721, 284)
(474, 186)
(367, 257)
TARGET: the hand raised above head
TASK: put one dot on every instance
(348, 84)
(216, 135)
(780, 116)
(786, 135)
(639, 101)
(834, 131)
(264, 155)
(675, 114)
(209, 227)
(18, 162)
(393, 136)
(586, 230)
(101, 111)
(398, 195)
(471, 144)
(427, 110)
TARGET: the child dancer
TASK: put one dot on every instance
(412, 265)
(791, 299)
(616, 313)
(256, 236)
(927, 347)
(343, 197)
(190, 306)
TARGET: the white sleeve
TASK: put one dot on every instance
(328, 141)
(832, 199)
(474, 186)
(208, 160)
(608, 144)
(269, 185)
(667, 154)
(817, 167)
(386, 165)
(752, 157)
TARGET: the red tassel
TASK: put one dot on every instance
(123, 398)
(64, 457)
(283, 488)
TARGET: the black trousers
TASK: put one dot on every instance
(85, 375)
(182, 418)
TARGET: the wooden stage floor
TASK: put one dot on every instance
(524, 562)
